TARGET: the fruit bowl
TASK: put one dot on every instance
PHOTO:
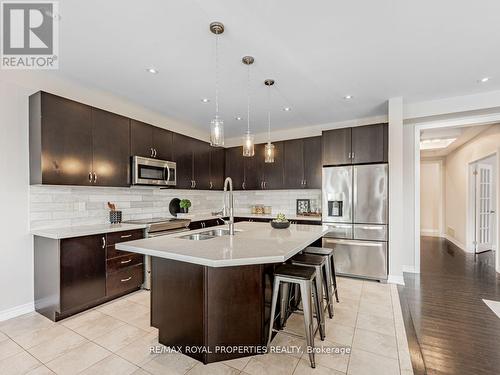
(280, 224)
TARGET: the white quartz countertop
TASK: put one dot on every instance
(84, 230)
(253, 243)
(200, 217)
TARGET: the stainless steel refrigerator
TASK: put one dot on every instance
(355, 207)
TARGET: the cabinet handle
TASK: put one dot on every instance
(126, 261)
(127, 279)
(126, 236)
(265, 184)
(211, 185)
(353, 155)
(194, 184)
(103, 242)
(151, 152)
(243, 186)
(95, 177)
(156, 152)
(90, 177)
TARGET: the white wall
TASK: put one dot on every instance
(431, 198)
(457, 166)
(16, 265)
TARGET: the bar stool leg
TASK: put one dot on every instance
(334, 278)
(273, 309)
(305, 291)
(285, 295)
(328, 288)
(319, 308)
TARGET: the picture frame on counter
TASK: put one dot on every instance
(303, 206)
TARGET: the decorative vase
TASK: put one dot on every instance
(184, 210)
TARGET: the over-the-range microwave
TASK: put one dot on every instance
(147, 171)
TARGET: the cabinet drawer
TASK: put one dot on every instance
(130, 235)
(124, 280)
(122, 262)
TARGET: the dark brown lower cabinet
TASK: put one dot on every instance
(75, 274)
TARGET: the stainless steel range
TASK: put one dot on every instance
(156, 227)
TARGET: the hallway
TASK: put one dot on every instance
(450, 329)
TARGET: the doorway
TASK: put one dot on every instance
(482, 220)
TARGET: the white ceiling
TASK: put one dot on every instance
(462, 135)
(316, 51)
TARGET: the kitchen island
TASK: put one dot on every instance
(210, 297)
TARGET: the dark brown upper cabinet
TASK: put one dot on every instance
(337, 147)
(253, 168)
(303, 163)
(150, 141)
(358, 145)
(273, 172)
(235, 167)
(183, 156)
(294, 164)
(369, 144)
(60, 141)
(201, 165)
(311, 148)
(111, 149)
(217, 162)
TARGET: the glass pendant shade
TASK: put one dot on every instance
(217, 132)
(269, 153)
(248, 145)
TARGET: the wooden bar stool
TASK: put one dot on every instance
(326, 251)
(306, 279)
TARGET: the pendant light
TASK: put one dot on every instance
(248, 138)
(269, 147)
(217, 125)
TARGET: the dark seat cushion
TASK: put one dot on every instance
(318, 250)
(297, 272)
(309, 259)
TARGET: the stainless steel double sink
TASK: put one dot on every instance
(213, 233)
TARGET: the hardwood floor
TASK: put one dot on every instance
(456, 333)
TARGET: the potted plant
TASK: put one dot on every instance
(185, 204)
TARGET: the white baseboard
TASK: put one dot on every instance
(393, 279)
(457, 243)
(410, 269)
(16, 311)
(431, 233)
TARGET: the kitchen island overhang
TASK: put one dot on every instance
(211, 298)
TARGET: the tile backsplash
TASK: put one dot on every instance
(63, 206)
(281, 201)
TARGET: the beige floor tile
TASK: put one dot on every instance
(376, 323)
(295, 345)
(125, 310)
(142, 321)
(93, 324)
(138, 351)
(238, 363)
(48, 334)
(375, 342)
(304, 368)
(78, 359)
(272, 364)
(20, 363)
(141, 297)
(216, 368)
(345, 316)
(9, 348)
(376, 308)
(119, 337)
(60, 343)
(363, 363)
(40, 370)
(295, 323)
(339, 333)
(3, 337)
(170, 363)
(140, 372)
(334, 356)
(24, 324)
(111, 365)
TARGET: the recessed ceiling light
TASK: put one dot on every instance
(437, 143)
(152, 70)
(205, 100)
(287, 109)
(347, 97)
(484, 79)
(238, 118)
